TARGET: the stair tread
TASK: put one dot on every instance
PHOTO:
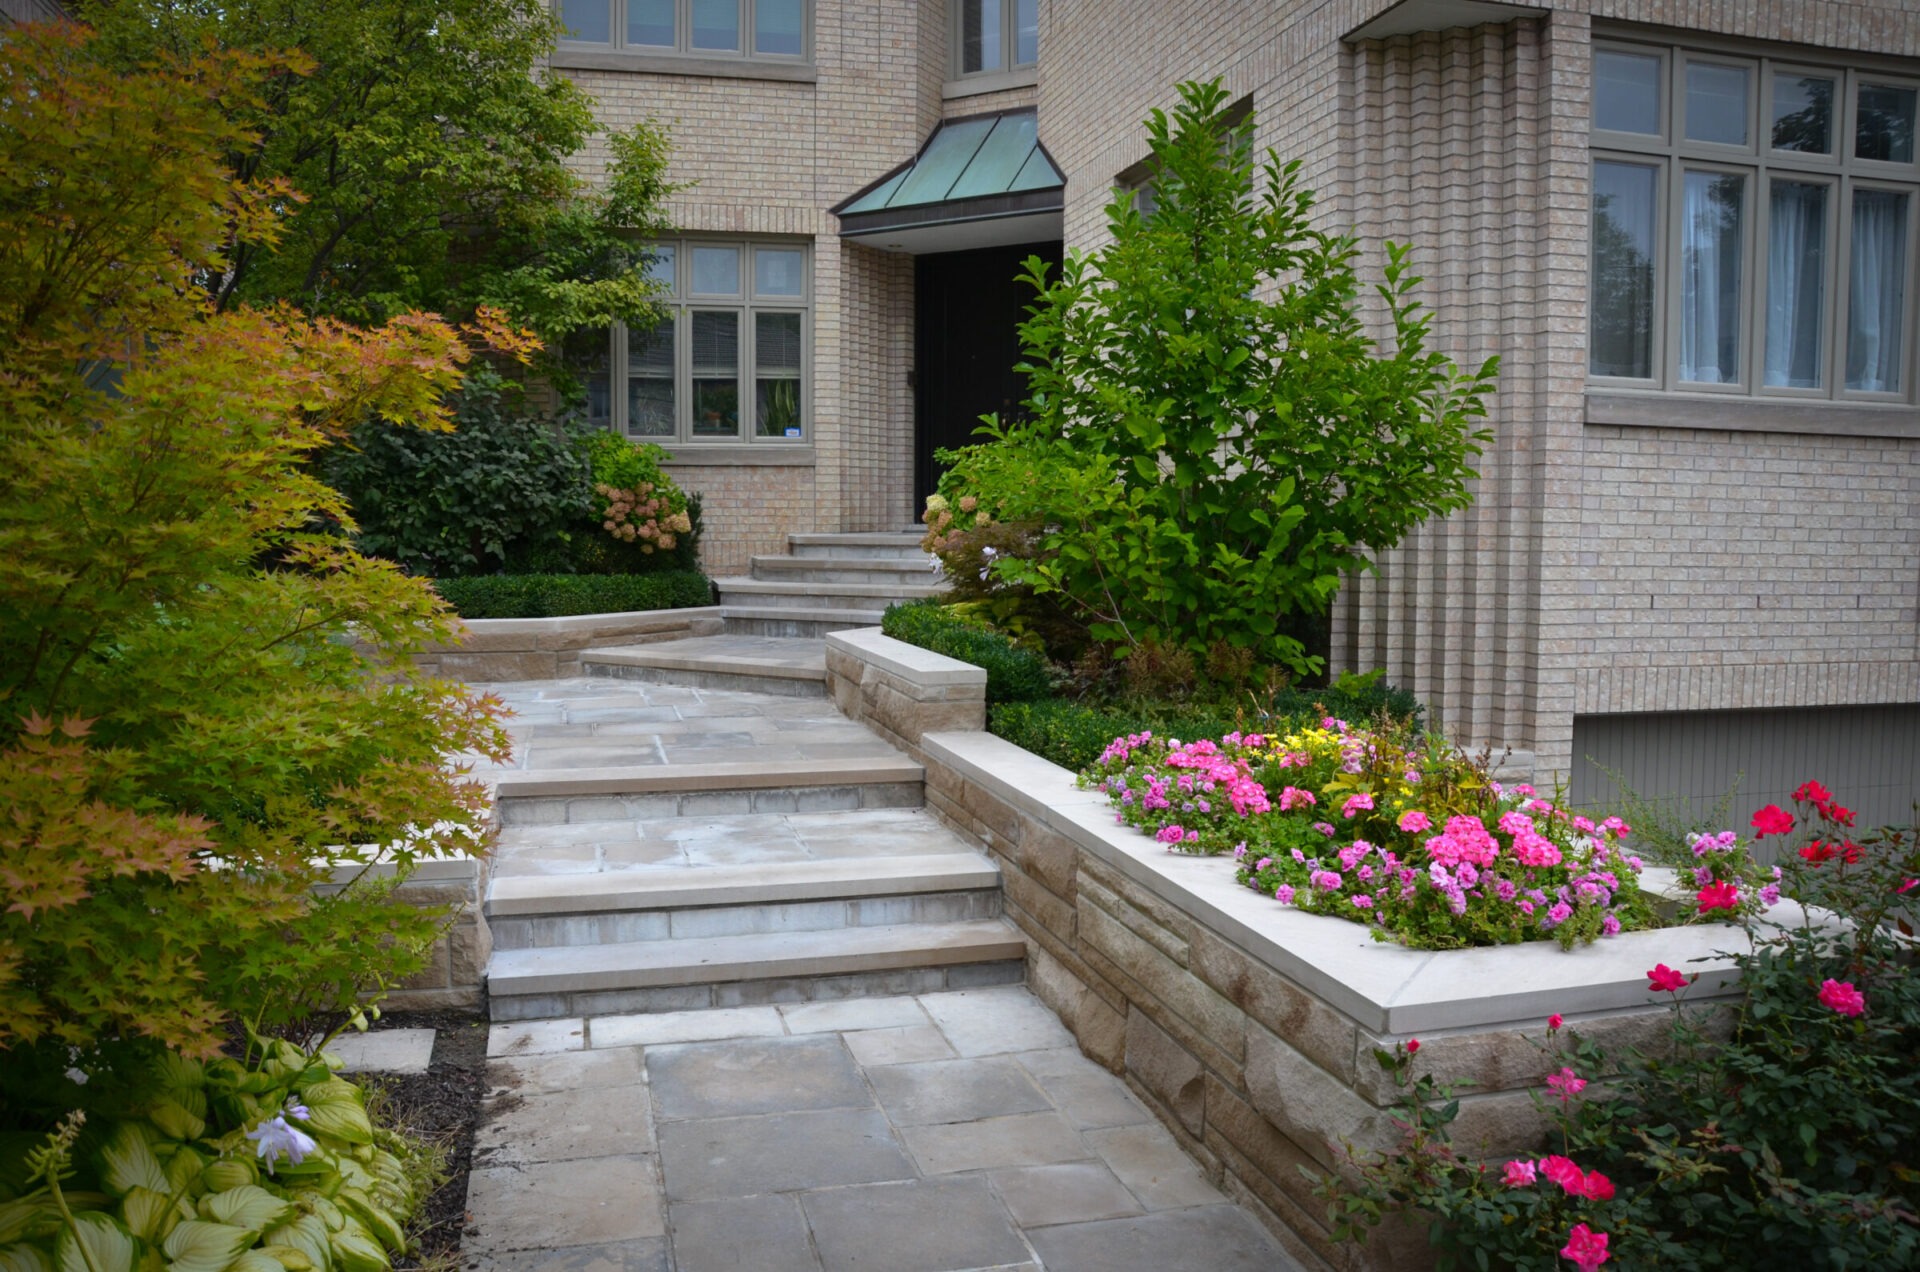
(661, 887)
(860, 538)
(834, 951)
(700, 655)
(799, 587)
(859, 771)
(885, 565)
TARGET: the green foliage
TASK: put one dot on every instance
(430, 147)
(1664, 829)
(557, 595)
(192, 731)
(1211, 438)
(1013, 674)
(1787, 1129)
(505, 484)
(646, 520)
(171, 1179)
(1073, 734)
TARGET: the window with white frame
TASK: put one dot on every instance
(729, 363)
(1754, 223)
(775, 30)
(992, 36)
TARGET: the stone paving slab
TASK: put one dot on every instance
(384, 1050)
(942, 1132)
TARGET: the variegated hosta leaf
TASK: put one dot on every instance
(200, 1246)
(254, 1261)
(308, 1234)
(149, 1215)
(290, 1258)
(378, 1222)
(355, 1250)
(337, 1109)
(30, 1216)
(109, 1247)
(177, 1121)
(127, 1161)
(24, 1258)
(178, 1071)
(229, 1172)
(183, 1171)
(248, 1206)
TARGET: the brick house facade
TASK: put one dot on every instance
(1730, 544)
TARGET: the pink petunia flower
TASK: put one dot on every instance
(1842, 997)
(1585, 1247)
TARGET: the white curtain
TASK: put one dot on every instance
(1710, 278)
(1796, 239)
(1877, 291)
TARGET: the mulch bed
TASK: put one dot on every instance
(442, 1105)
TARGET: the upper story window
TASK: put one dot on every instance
(992, 36)
(1754, 224)
(730, 363)
(776, 30)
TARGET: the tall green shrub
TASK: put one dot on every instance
(1211, 437)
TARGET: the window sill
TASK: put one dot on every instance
(990, 82)
(682, 64)
(1752, 415)
(737, 455)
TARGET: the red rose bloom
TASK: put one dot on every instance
(1811, 792)
(1719, 896)
(1413, 1045)
(1772, 820)
(1666, 980)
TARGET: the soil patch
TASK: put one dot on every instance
(441, 1105)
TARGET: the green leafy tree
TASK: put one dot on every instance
(192, 733)
(430, 150)
(1212, 439)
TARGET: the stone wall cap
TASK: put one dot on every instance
(1388, 988)
(586, 624)
(909, 662)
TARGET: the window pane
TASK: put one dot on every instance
(650, 22)
(650, 381)
(716, 271)
(599, 376)
(1796, 281)
(779, 271)
(716, 374)
(1622, 288)
(1803, 114)
(716, 25)
(776, 26)
(1877, 295)
(588, 20)
(1885, 129)
(1712, 228)
(660, 264)
(980, 36)
(776, 371)
(1626, 92)
(1026, 40)
(1717, 103)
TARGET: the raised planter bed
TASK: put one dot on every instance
(549, 648)
(1249, 1027)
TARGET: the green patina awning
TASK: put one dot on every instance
(979, 168)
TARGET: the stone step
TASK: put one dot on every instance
(689, 903)
(883, 571)
(799, 670)
(794, 592)
(905, 546)
(676, 975)
(560, 796)
(794, 620)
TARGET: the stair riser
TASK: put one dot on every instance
(905, 573)
(835, 552)
(554, 931)
(783, 686)
(798, 989)
(820, 600)
(794, 627)
(544, 810)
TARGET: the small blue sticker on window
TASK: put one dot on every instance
(793, 432)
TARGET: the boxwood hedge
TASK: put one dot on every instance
(557, 595)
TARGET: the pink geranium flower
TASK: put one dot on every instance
(1413, 821)
(1359, 803)
(1667, 980)
(1294, 797)
(1585, 1247)
(1842, 997)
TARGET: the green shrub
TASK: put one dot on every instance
(506, 484)
(1013, 674)
(558, 595)
(1072, 734)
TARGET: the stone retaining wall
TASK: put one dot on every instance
(549, 648)
(456, 972)
(1247, 1027)
(900, 691)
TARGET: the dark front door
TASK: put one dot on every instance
(967, 308)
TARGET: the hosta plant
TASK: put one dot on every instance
(268, 1164)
